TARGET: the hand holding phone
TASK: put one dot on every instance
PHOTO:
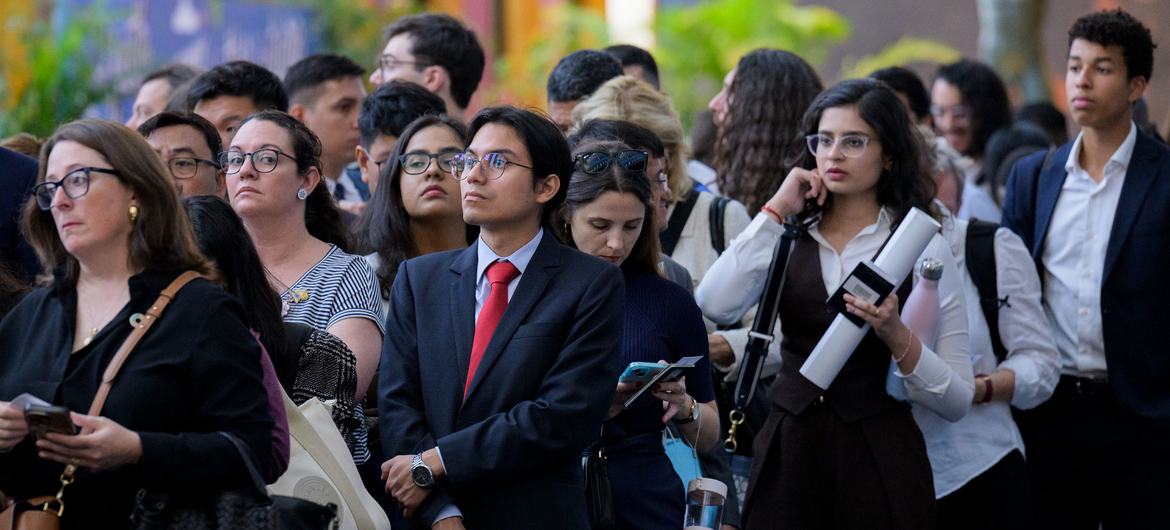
(48, 418)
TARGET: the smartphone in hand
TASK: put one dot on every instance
(48, 418)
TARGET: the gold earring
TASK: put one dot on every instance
(133, 213)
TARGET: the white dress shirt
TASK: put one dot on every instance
(942, 381)
(962, 450)
(1073, 259)
(978, 204)
(486, 256)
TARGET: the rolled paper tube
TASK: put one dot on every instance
(896, 260)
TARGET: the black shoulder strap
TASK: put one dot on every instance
(678, 219)
(980, 256)
(752, 364)
(716, 210)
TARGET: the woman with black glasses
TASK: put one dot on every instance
(609, 213)
(274, 183)
(415, 209)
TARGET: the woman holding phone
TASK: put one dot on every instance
(849, 456)
(609, 213)
(106, 222)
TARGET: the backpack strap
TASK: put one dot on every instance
(716, 212)
(678, 219)
(980, 256)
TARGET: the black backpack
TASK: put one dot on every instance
(980, 252)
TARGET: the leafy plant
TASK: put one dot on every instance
(354, 28)
(48, 79)
(698, 44)
(905, 51)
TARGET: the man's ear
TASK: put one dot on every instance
(436, 79)
(1137, 87)
(220, 183)
(547, 188)
(362, 159)
(298, 111)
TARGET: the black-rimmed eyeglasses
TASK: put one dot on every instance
(263, 160)
(417, 162)
(595, 162)
(185, 167)
(75, 184)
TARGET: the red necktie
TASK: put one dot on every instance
(499, 275)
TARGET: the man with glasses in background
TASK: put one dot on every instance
(188, 146)
(436, 52)
(384, 115)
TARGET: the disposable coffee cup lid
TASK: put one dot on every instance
(708, 484)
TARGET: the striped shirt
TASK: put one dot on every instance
(340, 286)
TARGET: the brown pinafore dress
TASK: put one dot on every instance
(850, 457)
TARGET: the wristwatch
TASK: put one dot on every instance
(420, 473)
(693, 415)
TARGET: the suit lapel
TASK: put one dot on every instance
(1047, 192)
(462, 306)
(1138, 178)
(531, 287)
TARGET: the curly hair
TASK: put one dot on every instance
(908, 182)
(983, 91)
(754, 149)
(1116, 27)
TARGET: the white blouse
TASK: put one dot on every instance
(941, 381)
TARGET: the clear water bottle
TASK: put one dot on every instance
(705, 497)
(920, 314)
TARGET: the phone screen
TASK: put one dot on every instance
(44, 419)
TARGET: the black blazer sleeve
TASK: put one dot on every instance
(1019, 204)
(570, 406)
(400, 399)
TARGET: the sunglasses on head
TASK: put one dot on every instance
(595, 162)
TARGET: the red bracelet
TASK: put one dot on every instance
(990, 390)
(775, 215)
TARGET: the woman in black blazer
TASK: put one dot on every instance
(107, 223)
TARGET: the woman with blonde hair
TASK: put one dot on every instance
(106, 221)
(692, 243)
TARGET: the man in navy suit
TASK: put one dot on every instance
(499, 360)
(18, 173)
(1096, 215)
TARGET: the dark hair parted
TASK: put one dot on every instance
(907, 82)
(908, 182)
(239, 78)
(161, 238)
(384, 226)
(633, 135)
(580, 73)
(545, 144)
(188, 119)
(322, 218)
(983, 91)
(393, 106)
(175, 73)
(223, 239)
(303, 80)
(630, 55)
(1119, 28)
(443, 41)
(753, 150)
(585, 188)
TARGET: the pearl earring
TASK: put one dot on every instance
(302, 194)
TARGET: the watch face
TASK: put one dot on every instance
(421, 476)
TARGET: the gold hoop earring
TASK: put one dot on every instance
(133, 213)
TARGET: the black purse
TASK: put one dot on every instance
(248, 507)
(598, 495)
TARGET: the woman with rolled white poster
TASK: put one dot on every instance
(848, 455)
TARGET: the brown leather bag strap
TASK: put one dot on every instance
(141, 325)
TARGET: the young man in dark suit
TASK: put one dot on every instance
(1096, 215)
(499, 363)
